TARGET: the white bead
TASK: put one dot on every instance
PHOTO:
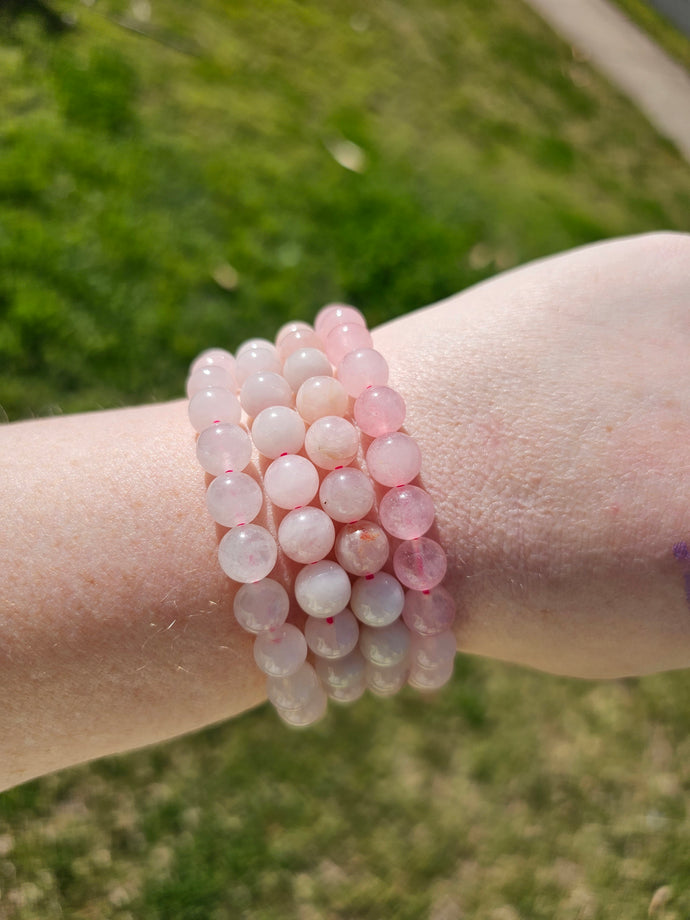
(386, 645)
(333, 637)
(306, 535)
(212, 406)
(222, 448)
(331, 442)
(321, 396)
(346, 495)
(278, 430)
(386, 681)
(344, 679)
(313, 710)
(294, 691)
(377, 600)
(430, 651)
(261, 605)
(322, 589)
(291, 481)
(211, 375)
(254, 360)
(233, 499)
(430, 678)
(247, 553)
(306, 363)
(280, 651)
(262, 390)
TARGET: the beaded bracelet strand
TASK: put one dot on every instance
(313, 403)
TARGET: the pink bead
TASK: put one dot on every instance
(362, 548)
(213, 356)
(331, 442)
(429, 679)
(210, 376)
(222, 448)
(300, 338)
(406, 512)
(420, 564)
(334, 314)
(209, 407)
(294, 691)
(247, 553)
(280, 651)
(312, 711)
(306, 535)
(385, 645)
(377, 600)
(233, 499)
(344, 679)
(394, 459)
(346, 495)
(379, 410)
(255, 360)
(291, 481)
(278, 430)
(429, 614)
(321, 396)
(253, 344)
(305, 363)
(333, 637)
(345, 338)
(294, 326)
(261, 605)
(322, 589)
(430, 651)
(262, 390)
(386, 681)
(361, 369)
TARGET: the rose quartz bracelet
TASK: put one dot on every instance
(316, 406)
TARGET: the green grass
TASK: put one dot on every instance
(165, 191)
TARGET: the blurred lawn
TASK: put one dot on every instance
(175, 175)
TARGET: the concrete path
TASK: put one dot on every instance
(629, 59)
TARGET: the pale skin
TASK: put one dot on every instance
(552, 407)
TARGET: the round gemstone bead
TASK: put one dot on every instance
(313, 710)
(211, 375)
(331, 442)
(430, 651)
(291, 481)
(377, 600)
(427, 679)
(305, 363)
(345, 338)
(295, 690)
(334, 314)
(361, 369)
(386, 681)
(213, 405)
(222, 448)
(247, 553)
(394, 459)
(387, 645)
(321, 396)
(332, 637)
(299, 338)
(346, 495)
(233, 499)
(255, 360)
(379, 410)
(285, 330)
(278, 430)
(429, 613)
(213, 356)
(280, 651)
(262, 390)
(420, 564)
(322, 589)
(344, 679)
(306, 535)
(261, 605)
(362, 548)
(253, 344)
(406, 512)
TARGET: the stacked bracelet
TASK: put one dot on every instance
(313, 403)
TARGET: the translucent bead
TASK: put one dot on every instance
(361, 369)
(377, 600)
(278, 430)
(345, 338)
(306, 535)
(213, 356)
(280, 651)
(429, 613)
(300, 338)
(295, 690)
(313, 710)
(211, 406)
(346, 495)
(291, 481)
(379, 410)
(233, 499)
(293, 326)
(386, 681)
(321, 396)
(362, 548)
(322, 589)
(305, 363)
(344, 679)
(254, 360)
(430, 651)
(332, 637)
(209, 376)
(253, 344)
(331, 442)
(387, 645)
(428, 679)
(420, 564)
(406, 512)
(261, 605)
(247, 553)
(223, 447)
(394, 459)
(334, 314)
(262, 390)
